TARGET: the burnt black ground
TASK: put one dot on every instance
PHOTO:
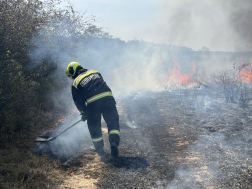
(190, 139)
(187, 138)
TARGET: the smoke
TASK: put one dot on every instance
(68, 144)
(129, 68)
(212, 154)
(134, 70)
(239, 14)
(218, 25)
(123, 67)
(206, 172)
(126, 66)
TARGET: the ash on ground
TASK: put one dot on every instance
(185, 138)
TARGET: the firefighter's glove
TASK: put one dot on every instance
(83, 117)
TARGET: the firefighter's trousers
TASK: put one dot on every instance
(107, 107)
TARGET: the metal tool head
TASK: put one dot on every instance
(44, 139)
(48, 138)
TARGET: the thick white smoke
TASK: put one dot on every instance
(131, 66)
(219, 25)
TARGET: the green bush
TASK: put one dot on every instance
(24, 88)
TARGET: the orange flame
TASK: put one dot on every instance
(246, 72)
(61, 121)
(175, 75)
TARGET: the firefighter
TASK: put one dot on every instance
(93, 97)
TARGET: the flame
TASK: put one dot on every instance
(246, 72)
(175, 75)
(61, 121)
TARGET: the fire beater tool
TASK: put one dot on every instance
(48, 138)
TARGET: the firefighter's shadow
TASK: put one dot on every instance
(128, 162)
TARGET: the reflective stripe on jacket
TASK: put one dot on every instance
(101, 95)
(82, 76)
(88, 87)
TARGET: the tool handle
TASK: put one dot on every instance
(66, 129)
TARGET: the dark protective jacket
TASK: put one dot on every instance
(88, 87)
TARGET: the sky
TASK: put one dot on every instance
(220, 25)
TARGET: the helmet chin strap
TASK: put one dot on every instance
(71, 77)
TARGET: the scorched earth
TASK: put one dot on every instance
(184, 138)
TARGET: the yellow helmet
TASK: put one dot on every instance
(71, 69)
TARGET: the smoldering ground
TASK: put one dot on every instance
(180, 139)
(67, 144)
(132, 69)
(219, 157)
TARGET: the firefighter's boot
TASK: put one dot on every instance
(114, 149)
(99, 147)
